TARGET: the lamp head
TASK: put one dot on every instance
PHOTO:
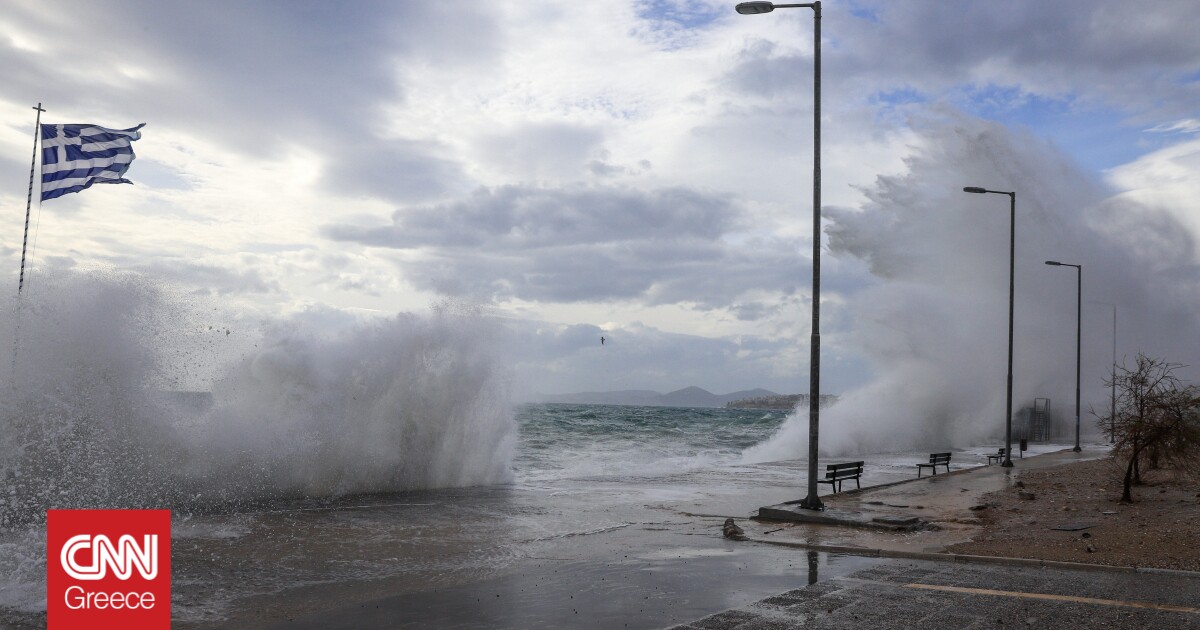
(1054, 262)
(974, 189)
(752, 8)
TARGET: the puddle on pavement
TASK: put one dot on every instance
(655, 588)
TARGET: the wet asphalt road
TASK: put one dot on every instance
(923, 594)
(811, 590)
(634, 582)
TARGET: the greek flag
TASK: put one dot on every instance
(77, 156)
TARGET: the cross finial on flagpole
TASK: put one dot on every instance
(39, 108)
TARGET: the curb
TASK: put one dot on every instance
(774, 516)
(971, 559)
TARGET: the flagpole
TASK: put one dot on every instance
(37, 130)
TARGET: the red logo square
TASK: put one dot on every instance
(108, 569)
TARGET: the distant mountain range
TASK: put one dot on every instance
(686, 397)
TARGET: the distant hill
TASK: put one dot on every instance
(686, 397)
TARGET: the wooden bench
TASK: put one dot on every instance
(935, 460)
(837, 473)
(998, 457)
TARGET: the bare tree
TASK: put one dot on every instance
(1157, 419)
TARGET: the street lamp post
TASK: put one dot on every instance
(1012, 267)
(1078, 334)
(812, 501)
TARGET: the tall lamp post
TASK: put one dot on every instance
(1012, 266)
(812, 501)
(1078, 334)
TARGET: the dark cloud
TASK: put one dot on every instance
(519, 217)
(1096, 37)
(394, 170)
(584, 243)
(752, 311)
(261, 77)
(1130, 58)
(761, 72)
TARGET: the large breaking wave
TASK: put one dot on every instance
(934, 323)
(89, 419)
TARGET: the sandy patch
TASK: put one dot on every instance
(1160, 529)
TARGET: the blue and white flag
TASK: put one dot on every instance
(76, 156)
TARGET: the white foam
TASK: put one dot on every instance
(409, 402)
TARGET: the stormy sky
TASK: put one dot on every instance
(640, 170)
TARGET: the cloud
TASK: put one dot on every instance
(1186, 125)
(541, 151)
(582, 243)
(281, 123)
(393, 169)
(260, 78)
(1094, 51)
(1164, 183)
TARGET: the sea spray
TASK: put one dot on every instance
(934, 324)
(399, 404)
(414, 401)
(79, 424)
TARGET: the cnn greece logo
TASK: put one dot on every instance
(122, 557)
(108, 568)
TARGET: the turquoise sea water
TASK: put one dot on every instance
(579, 441)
